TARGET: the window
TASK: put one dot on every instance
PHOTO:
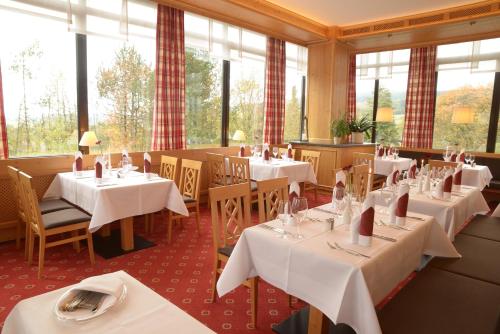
(296, 69)
(38, 69)
(383, 77)
(466, 74)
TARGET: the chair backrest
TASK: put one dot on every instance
(217, 175)
(441, 164)
(190, 178)
(284, 150)
(168, 167)
(230, 209)
(14, 177)
(359, 158)
(270, 193)
(239, 170)
(312, 157)
(360, 181)
(30, 203)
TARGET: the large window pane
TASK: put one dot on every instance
(296, 69)
(392, 94)
(121, 91)
(203, 99)
(461, 88)
(39, 85)
(247, 100)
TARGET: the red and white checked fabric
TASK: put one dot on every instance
(351, 88)
(4, 145)
(169, 130)
(274, 93)
(420, 98)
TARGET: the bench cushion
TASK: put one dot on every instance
(64, 217)
(484, 227)
(51, 205)
(227, 251)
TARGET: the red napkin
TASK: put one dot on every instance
(242, 151)
(340, 185)
(412, 172)
(461, 157)
(147, 163)
(453, 156)
(290, 152)
(381, 151)
(448, 182)
(366, 222)
(266, 154)
(98, 170)
(78, 161)
(457, 177)
(395, 176)
(294, 191)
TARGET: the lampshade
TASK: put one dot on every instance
(384, 115)
(239, 135)
(462, 115)
(88, 139)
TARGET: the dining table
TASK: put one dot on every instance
(117, 198)
(385, 166)
(321, 268)
(142, 310)
(476, 176)
(451, 214)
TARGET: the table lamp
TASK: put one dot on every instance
(239, 136)
(89, 139)
(384, 115)
(462, 115)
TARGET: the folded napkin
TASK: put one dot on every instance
(366, 221)
(402, 204)
(147, 163)
(381, 151)
(294, 191)
(447, 185)
(427, 185)
(453, 156)
(78, 161)
(457, 178)
(242, 150)
(412, 171)
(99, 164)
(112, 288)
(289, 152)
(339, 188)
(265, 153)
(392, 179)
(461, 156)
(438, 191)
(390, 150)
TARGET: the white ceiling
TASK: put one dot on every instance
(347, 12)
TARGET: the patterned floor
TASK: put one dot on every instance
(180, 272)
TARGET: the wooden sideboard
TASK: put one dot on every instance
(332, 156)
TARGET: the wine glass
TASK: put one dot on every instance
(257, 151)
(338, 200)
(252, 149)
(467, 158)
(472, 159)
(284, 215)
(396, 153)
(275, 152)
(299, 211)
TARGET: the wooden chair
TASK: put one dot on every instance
(57, 222)
(169, 168)
(269, 194)
(284, 150)
(441, 164)
(46, 206)
(377, 180)
(190, 191)
(239, 172)
(230, 209)
(311, 157)
(360, 181)
(217, 174)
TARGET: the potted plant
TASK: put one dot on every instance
(340, 130)
(358, 128)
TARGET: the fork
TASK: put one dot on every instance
(396, 227)
(350, 251)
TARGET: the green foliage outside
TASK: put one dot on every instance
(292, 117)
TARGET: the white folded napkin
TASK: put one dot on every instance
(457, 178)
(392, 179)
(438, 191)
(339, 188)
(289, 152)
(402, 204)
(147, 164)
(294, 191)
(367, 217)
(265, 152)
(461, 156)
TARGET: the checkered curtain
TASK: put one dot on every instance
(4, 146)
(420, 98)
(169, 131)
(351, 89)
(274, 93)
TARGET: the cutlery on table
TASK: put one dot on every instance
(396, 227)
(383, 237)
(324, 211)
(347, 250)
(276, 229)
(417, 218)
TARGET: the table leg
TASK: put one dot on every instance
(127, 233)
(105, 231)
(318, 322)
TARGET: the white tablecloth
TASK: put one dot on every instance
(344, 287)
(126, 197)
(451, 215)
(142, 311)
(386, 166)
(477, 176)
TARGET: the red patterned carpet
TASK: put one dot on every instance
(180, 272)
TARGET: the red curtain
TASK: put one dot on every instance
(420, 98)
(351, 89)
(274, 93)
(169, 131)
(4, 145)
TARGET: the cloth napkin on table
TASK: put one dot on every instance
(389, 150)
(457, 178)
(460, 157)
(147, 163)
(78, 161)
(447, 184)
(294, 191)
(412, 171)
(402, 204)
(381, 151)
(99, 164)
(366, 221)
(265, 153)
(392, 179)
(289, 152)
(339, 189)
(242, 150)
(438, 191)
(453, 156)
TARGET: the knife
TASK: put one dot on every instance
(383, 237)
(275, 229)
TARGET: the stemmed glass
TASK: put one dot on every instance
(275, 152)
(257, 150)
(252, 149)
(467, 158)
(472, 159)
(339, 200)
(396, 153)
(284, 215)
(299, 211)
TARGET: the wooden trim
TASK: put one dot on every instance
(439, 151)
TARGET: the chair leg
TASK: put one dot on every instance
(214, 280)
(41, 256)
(90, 244)
(253, 300)
(31, 242)
(198, 218)
(76, 244)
